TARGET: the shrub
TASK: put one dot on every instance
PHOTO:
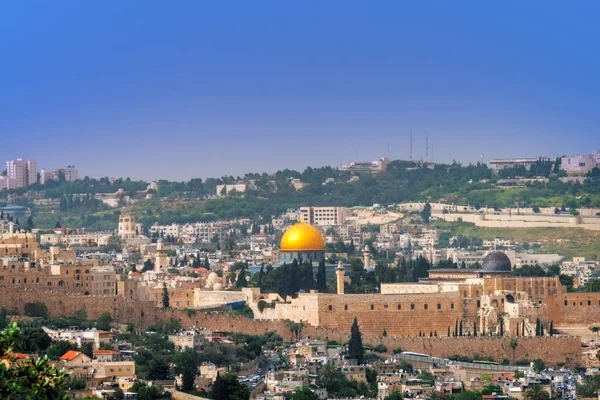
(397, 350)
(380, 348)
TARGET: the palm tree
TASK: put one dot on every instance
(295, 328)
(535, 392)
(513, 345)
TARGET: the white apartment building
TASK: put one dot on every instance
(497, 242)
(499, 164)
(323, 216)
(203, 231)
(580, 164)
(372, 167)
(21, 172)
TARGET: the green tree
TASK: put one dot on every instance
(28, 379)
(165, 297)
(227, 387)
(321, 278)
(355, 346)
(158, 369)
(395, 395)
(186, 363)
(538, 365)
(426, 213)
(146, 392)
(104, 321)
(37, 309)
(87, 348)
(32, 340)
(304, 393)
(59, 348)
(30, 225)
(513, 345)
(536, 392)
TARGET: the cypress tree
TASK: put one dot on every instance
(260, 275)
(355, 346)
(456, 327)
(460, 333)
(448, 331)
(165, 297)
(321, 277)
(551, 328)
(475, 328)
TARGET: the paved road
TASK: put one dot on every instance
(446, 362)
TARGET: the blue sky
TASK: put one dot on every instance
(181, 89)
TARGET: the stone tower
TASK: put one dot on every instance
(162, 258)
(127, 226)
(339, 274)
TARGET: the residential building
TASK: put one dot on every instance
(193, 339)
(323, 216)
(22, 172)
(372, 167)
(579, 164)
(499, 164)
(69, 174)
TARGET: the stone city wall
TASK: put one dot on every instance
(522, 221)
(552, 349)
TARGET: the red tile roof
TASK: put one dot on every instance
(18, 356)
(70, 355)
(105, 352)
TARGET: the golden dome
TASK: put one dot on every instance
(302, 237)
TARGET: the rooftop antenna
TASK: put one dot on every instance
(432, 151)
(426, 147)
(410, 154)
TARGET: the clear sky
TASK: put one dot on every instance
(181, 89)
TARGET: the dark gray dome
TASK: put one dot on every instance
(496, 261)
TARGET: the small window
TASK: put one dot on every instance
(399, 307)
(589, 302)
(372, 307)
(330, 308)
(567, 303)
(346, 307)
(412, 306)
(452, 306)
(439, 306)
(478, 303)
(425, 306)
(385, 306)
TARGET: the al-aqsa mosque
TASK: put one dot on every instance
(302, 242)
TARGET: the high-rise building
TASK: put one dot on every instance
(21, 172)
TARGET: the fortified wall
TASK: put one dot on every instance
(142, 314)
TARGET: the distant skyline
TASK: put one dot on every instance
(176, 90)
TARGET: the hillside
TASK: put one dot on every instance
(269, 195)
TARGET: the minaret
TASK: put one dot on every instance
(339, 274)
(366, 257)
